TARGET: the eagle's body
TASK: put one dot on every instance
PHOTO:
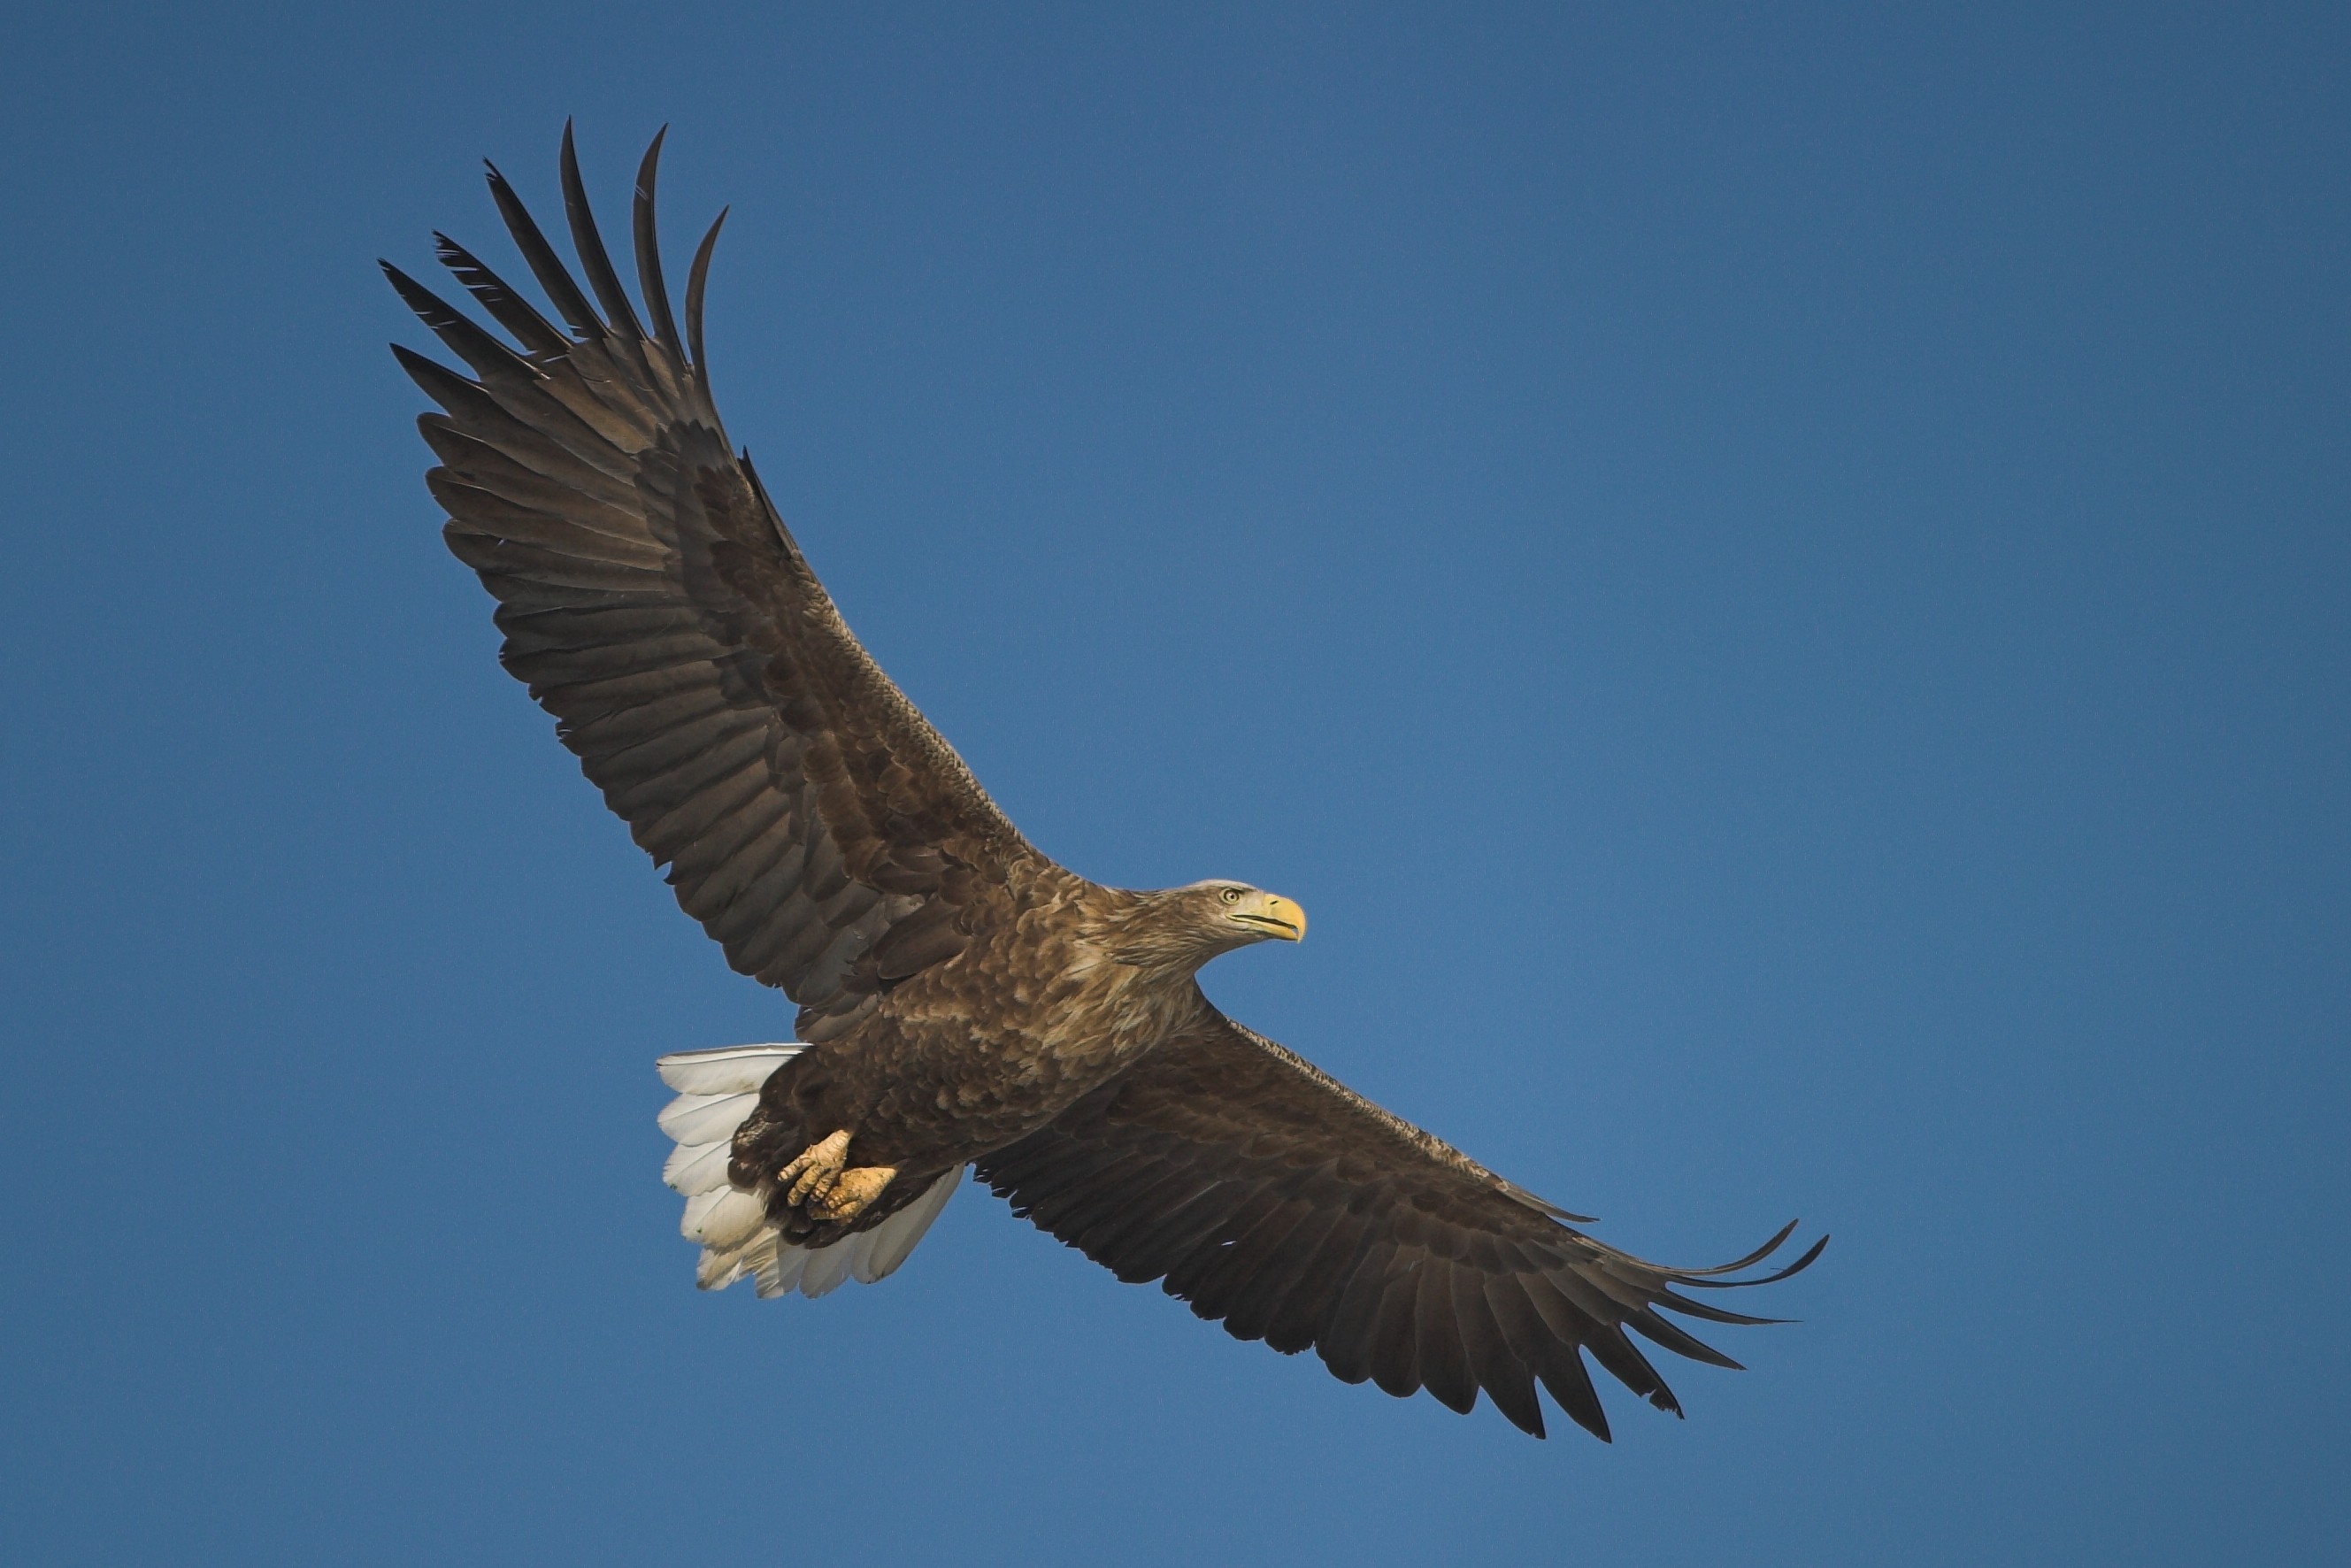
(1068, 1003)
(963, 999)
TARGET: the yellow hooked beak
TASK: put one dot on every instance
(1275, 916)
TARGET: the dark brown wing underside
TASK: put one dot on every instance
(1276, 1201)
(818, 828)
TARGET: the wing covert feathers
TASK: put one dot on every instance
(655, 605)
(1274, 1200)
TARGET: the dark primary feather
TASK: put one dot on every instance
(513, 313)
(540, 257)
(648, 242)
(590, 244)
(811, 820)
(696, 281)
(1273, 1198)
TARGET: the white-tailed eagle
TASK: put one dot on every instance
(962, 999)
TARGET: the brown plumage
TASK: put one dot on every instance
(965, 999)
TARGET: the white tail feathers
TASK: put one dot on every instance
(717, 1090)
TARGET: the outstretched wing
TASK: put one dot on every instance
(821, 832)
(1276, 1199)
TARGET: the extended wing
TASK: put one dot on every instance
(821, 832)
(1273, 1198)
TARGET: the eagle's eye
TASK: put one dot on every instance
(1230, 895)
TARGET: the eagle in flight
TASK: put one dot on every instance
(962, 999)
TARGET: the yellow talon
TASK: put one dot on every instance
(851, 1192)
(814, 1169)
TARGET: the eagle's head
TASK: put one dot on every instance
(1186, 926)
(1238, 914)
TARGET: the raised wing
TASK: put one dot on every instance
(821, 832)
(1276, 1199)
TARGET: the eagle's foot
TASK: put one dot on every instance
(851, 1192)
(813, 1171)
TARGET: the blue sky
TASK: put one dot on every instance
(1775, 581)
